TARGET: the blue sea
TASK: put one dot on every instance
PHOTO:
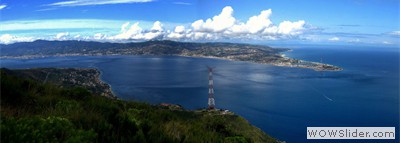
(281, 101)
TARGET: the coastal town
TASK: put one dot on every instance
(70, 78)
(229, 51)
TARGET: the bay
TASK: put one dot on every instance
(282, 101)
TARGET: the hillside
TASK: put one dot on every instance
(69, 77)
(229, 51)
(37, 111)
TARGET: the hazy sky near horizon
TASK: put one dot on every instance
(370, 22)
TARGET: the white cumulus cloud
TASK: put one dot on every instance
(124, 26)
(62, 36)
(178, 33)
(259, 26)
(8, 39)
(135, 32)
(255, 24)
(157, 26)
(179, 29)
(218, 23)
(291, 28)
(129, 33)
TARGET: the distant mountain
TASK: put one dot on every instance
(230, 51)
(50, 48)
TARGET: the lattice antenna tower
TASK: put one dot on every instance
(211, 100)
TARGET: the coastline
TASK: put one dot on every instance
(311, 65)
(260, 54)
(287, 61)
(89, 78)
(113, 95)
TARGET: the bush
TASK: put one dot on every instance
(36, 129)
(77, 93)
(235, 139)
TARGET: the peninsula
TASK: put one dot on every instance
(228, 51)
(69, 78)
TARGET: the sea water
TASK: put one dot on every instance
(282, 101)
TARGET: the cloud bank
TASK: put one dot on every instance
(220, 27)
(8, 39)
(223, 26)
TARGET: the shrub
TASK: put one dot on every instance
(36, 129)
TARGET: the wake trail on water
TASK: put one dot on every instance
(327, 97)
(320, 92)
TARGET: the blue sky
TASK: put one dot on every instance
(364, 22)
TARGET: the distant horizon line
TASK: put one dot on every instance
(271, 44)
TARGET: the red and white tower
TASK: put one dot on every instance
(211, 101)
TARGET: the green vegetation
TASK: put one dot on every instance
(69, 77)
(33, 111)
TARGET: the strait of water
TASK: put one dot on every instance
(281, 101)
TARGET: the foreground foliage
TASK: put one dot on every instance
(37, 112)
